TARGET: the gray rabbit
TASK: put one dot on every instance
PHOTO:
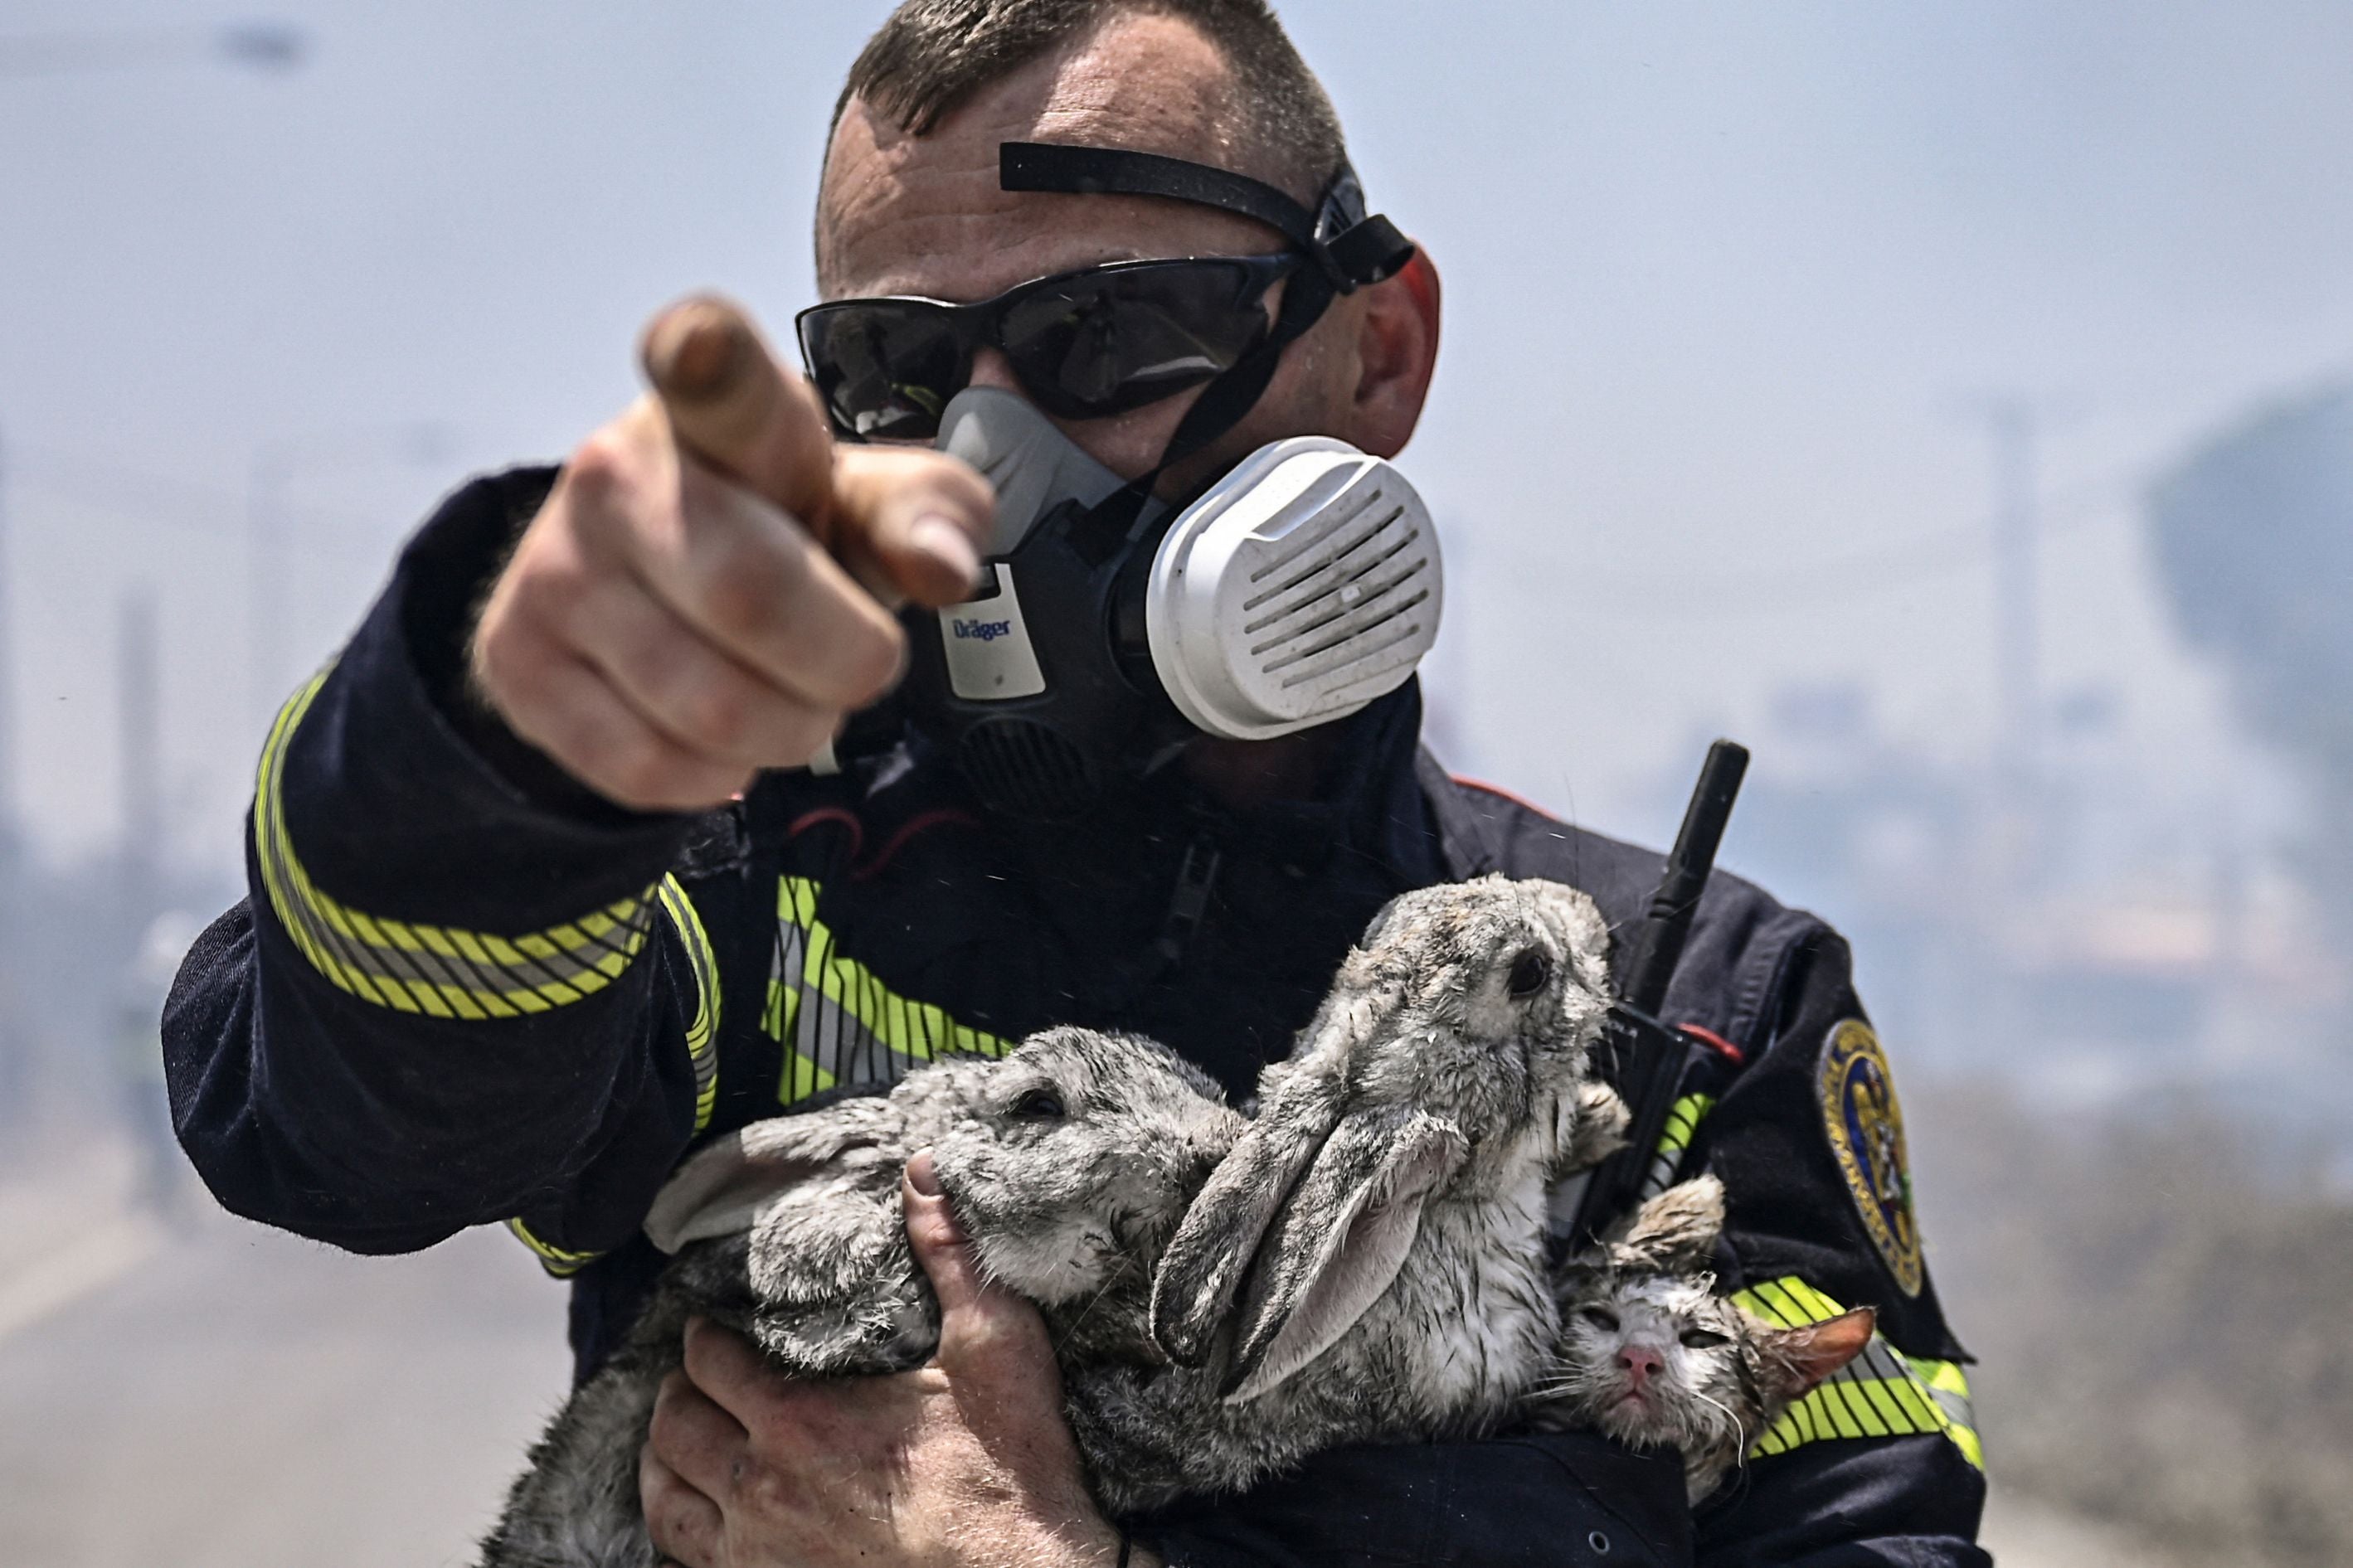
(1368, 1264)
(1070, 1161)
(1392, 1197)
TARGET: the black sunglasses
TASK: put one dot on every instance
(1086, 343)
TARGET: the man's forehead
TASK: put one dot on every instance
(903, 214)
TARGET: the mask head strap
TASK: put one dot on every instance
(1348, 250)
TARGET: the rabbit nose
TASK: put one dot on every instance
(1641, 1364)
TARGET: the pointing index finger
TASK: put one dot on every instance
(733, 406)
(907, 524)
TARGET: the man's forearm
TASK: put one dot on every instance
(445, 996)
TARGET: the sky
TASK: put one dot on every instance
(1729, 289)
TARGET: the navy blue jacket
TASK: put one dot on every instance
(463, 992)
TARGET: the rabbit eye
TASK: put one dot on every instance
(1601, 1317)
(1040, 1104)
(1530, 971)
(1702, 1339)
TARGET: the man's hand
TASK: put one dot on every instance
(965, 1461)
(707, 590)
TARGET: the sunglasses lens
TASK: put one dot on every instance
(1086, 344)
(1099, 343)
(885, 368)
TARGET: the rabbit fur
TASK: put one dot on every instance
(1391, 1195)
(1070, 1163)
(1368, 1264)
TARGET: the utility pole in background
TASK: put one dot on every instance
(271, 553)
(262, 47)
(2018, 641)
(266, 576)
(139, 710)
(2019, 782)
(8, 802)
(15, 1050)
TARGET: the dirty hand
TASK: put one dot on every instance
(967, 1460)
(708, 590)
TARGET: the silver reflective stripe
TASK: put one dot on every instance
(836, 1021)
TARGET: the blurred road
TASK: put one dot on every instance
(209, 1394)
(214, 1394)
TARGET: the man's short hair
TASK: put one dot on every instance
(932, 55)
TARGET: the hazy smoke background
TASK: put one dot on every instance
(1953, 404)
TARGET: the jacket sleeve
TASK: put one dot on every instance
(1882, 1463)
(445, 1001)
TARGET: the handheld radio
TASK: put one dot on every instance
(1642, 1058)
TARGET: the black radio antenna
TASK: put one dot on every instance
(1645, 1057)
(1667, 926)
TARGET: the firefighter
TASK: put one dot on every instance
(567, 863)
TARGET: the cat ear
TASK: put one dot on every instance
(1675, 1232)
(1798, 1359)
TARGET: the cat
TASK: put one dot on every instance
(1652, 1356)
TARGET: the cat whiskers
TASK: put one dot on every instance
(1738, 1428)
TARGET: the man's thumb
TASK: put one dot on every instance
(974, 1315)
(941, 1247)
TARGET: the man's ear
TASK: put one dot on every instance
(1396, 352)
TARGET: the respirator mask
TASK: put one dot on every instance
(1111, 627)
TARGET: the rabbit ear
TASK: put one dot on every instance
(1220, 1235)
(721, 1190)
(1675, 1232)
(1339, 1241)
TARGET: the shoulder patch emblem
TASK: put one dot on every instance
(1866, 1134)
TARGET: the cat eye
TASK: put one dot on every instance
(1704, 1338)
(1601, 1317)
(1529, 973)
(1040, 1104)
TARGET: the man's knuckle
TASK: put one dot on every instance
(748, 593)
(546, 590)
(717, 713)
(802, 736)
(870, 655)
(764, 1489)
(967, 487)
(661, 1429)
(504, 656)
(599, 467)
(640, 771)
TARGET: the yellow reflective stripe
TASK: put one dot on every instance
(1948, 1387)
(553, 1258)
(1667, 1157)
(701, 1049)
(816, 992)
(1880, 1394)
(437, 971)
(1682, 1120)
(703, 1033)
